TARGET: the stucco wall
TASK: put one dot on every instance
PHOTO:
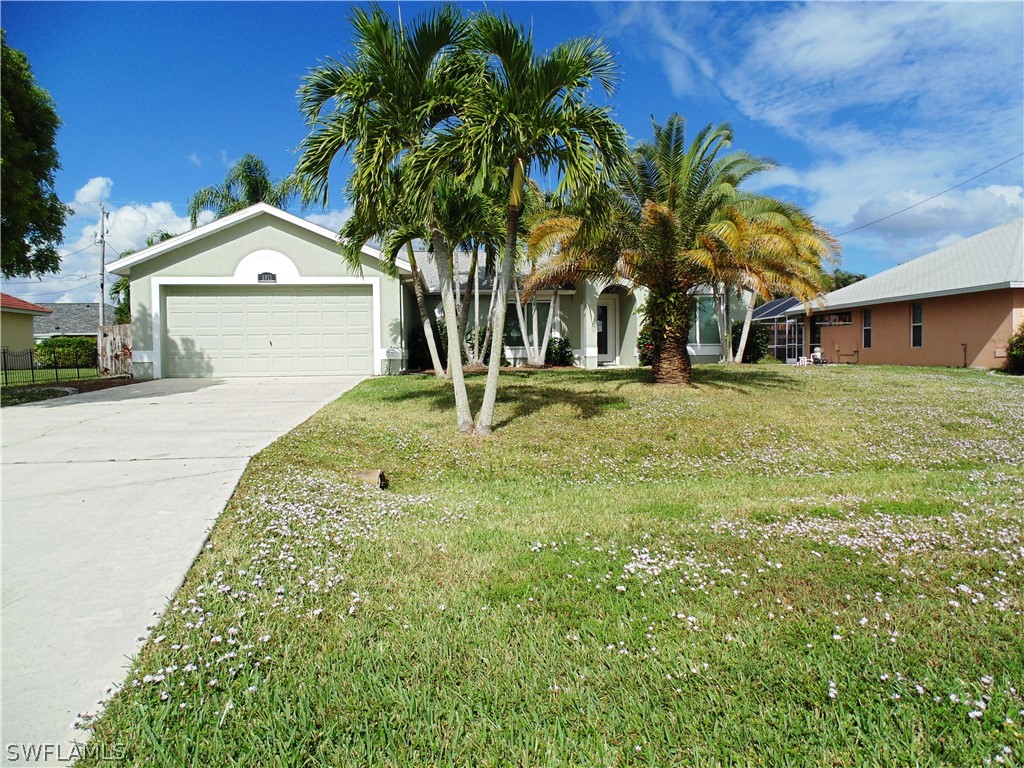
(983, 321)
(16, 331)
(219, 254)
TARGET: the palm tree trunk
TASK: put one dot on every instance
(421, 303)
(726, 325)
(524, 329)
(464, 317)
(463, 415)
(552, 311)
(485, 419)
(672, 360)
(476, 316)
(747, 320)
(720, 318)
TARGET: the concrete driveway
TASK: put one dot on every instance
(107, 499)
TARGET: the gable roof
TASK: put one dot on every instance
(988, 261)
(123, 266)
(10, 303)
(72, 319)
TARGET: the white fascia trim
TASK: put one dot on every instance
(123, 266)
(36, 312)
(157, 283)
(827, 307)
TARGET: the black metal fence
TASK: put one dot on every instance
(31, 367)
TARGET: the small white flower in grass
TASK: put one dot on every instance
(833, 690)
(213, 682)
(264, 638)
(164, 696)
(975, 714)
(159, 639)
(216, 639)
(442, 607)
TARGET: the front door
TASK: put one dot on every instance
(607, 330)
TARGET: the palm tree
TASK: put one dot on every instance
(387, 103)
(531, 111)
(758, 245)
(665, 201)
(247, 182)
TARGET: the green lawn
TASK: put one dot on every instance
(780, 566)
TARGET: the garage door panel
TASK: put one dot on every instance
(281, 330)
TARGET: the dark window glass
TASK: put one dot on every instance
(867, 329)
(916, 325)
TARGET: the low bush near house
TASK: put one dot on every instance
(645, 346)
(758, 339)
(1015, 352)
(68, 350)
(559, 352)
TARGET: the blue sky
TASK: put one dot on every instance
(867, 107)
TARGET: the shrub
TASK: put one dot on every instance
(645, 346)
(67, 350)
(1015, 352)
(758, 341)
(559, 352)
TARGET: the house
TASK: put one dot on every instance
(956, 306)
(786, 340)
(16, 318)
(71, 319)
(262, 292)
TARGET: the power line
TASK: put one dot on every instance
(938, 194)
(67, 290)
(40, 281)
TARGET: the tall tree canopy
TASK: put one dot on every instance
(31, 213)
(247, 182)
(457, 99)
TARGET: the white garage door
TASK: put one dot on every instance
(267, 331)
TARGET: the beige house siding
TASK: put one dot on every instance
(217, 257)
(983, 321)
(16, 331)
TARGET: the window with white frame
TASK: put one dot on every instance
(916, 325)
(866, 318)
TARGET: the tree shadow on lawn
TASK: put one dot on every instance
(743, 379)
(527, 392)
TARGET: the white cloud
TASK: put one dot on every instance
(891, 103)
(96, 190)
(128, 226)
(332, 220)
(194, 159)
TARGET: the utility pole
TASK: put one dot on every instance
(103, 276)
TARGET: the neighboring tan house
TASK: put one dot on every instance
(956, 306)
(16, 316)
(72, 319)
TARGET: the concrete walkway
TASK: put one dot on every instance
(107, 499)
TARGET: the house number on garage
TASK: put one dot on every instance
(266, 277)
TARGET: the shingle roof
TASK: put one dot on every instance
(71, 320)
(15, 304)
(988, 261)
